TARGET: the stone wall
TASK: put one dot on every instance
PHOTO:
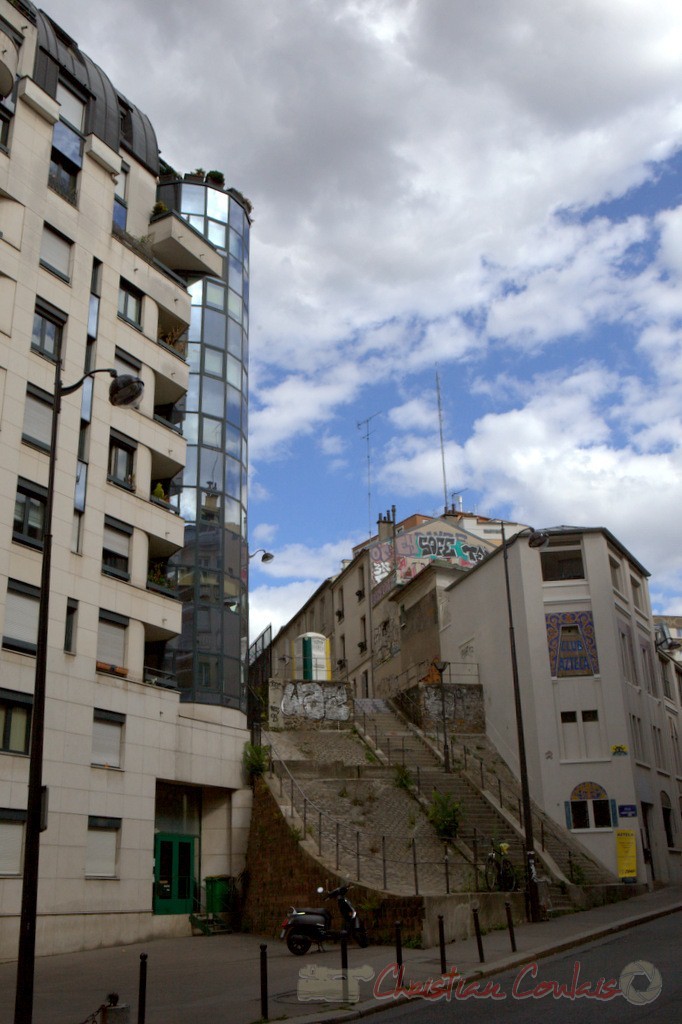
(282, 873)
(302, 704)
(464, 707)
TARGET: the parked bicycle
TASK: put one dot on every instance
(499, 870)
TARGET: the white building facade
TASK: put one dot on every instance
(146, 791)
(601, 724)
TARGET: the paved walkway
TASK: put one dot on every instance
(217, 979)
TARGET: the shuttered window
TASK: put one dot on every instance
(55, 252)
(11, 841)
(37, 429)
(102, 847)
(111, 639)
(116, 548)
(21, 617)
(107, 738)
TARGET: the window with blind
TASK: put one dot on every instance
(11, 840)
(107, 738)
(29, 513)
(55, 252)
(37, 428)
(121, 460)
(15, 721)
(116, 548)
(101, 853)
(48, 324)
(21, 617)
(111, 642)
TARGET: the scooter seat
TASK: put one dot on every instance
(322, 911)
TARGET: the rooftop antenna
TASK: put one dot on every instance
(365, 424)
(442, 445)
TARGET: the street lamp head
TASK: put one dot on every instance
(266, 556)
(538, 539)
(125, 389)
(440, 666)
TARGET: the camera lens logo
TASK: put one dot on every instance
(637, 995)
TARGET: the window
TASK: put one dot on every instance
(72, 107)
(37, 429)
(675, 744)
(667, 812)
(121, 460)
(93, 310)
(616, 573)
(111, 642)
(55, 253)
(121, 198)
(21, 617)
(659, 752)
(48, 324)
(581, 736)
(650, 681)
(77, 532)
(637, 596)
(7, 106)
(130, 303)
(66, 158)
(107, 738)
(562, 560)
(116, 548)
(11, 840)
(627, 654)
(101, 853)
(15, 721)
(589, 807)
(29, 513)
(638, 748)
(70, 624)
(339, 605)
(664, 666)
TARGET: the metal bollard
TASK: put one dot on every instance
(479, 939)
(142, 990)
(344, 966)
(510, 925)
(264, 981)
(399, 945)
(441, 942)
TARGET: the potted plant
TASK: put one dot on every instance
(196, 176)
(216, 178)
(158, 208)
(159, 493)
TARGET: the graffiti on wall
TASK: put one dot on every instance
(416, 548)
(315, 702)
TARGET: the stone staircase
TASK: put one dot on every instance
(342, 792)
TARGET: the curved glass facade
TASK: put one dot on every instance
(209, 657)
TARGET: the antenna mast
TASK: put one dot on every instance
(366, 423)
(442, 445)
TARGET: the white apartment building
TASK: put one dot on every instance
(601, 705)
(145, 711)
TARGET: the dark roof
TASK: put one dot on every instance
(57, 54)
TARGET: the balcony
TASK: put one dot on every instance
(181, 247)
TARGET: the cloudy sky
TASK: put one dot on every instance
(487, 190)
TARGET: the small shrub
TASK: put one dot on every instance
(445, 814)
(403, 777)
(296, 833)
(255, 760)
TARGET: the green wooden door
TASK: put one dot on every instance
(173, 873)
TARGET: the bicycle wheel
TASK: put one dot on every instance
(507, 876)
(491, 873)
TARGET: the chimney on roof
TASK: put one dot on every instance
(386, 524)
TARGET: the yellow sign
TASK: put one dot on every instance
(626, 853)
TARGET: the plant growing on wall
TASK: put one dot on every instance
(255, 760)
(445, 814)
(403, 777)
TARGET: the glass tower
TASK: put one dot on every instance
(208, 659)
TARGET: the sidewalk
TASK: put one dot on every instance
(192, 980)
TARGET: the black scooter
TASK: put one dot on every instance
(302, 927)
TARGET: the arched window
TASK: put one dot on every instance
(589, 807)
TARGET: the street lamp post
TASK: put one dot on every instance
(535, 539)
(123, 390)
(440, 667)
(266, 556)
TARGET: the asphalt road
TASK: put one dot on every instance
(595, 984)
